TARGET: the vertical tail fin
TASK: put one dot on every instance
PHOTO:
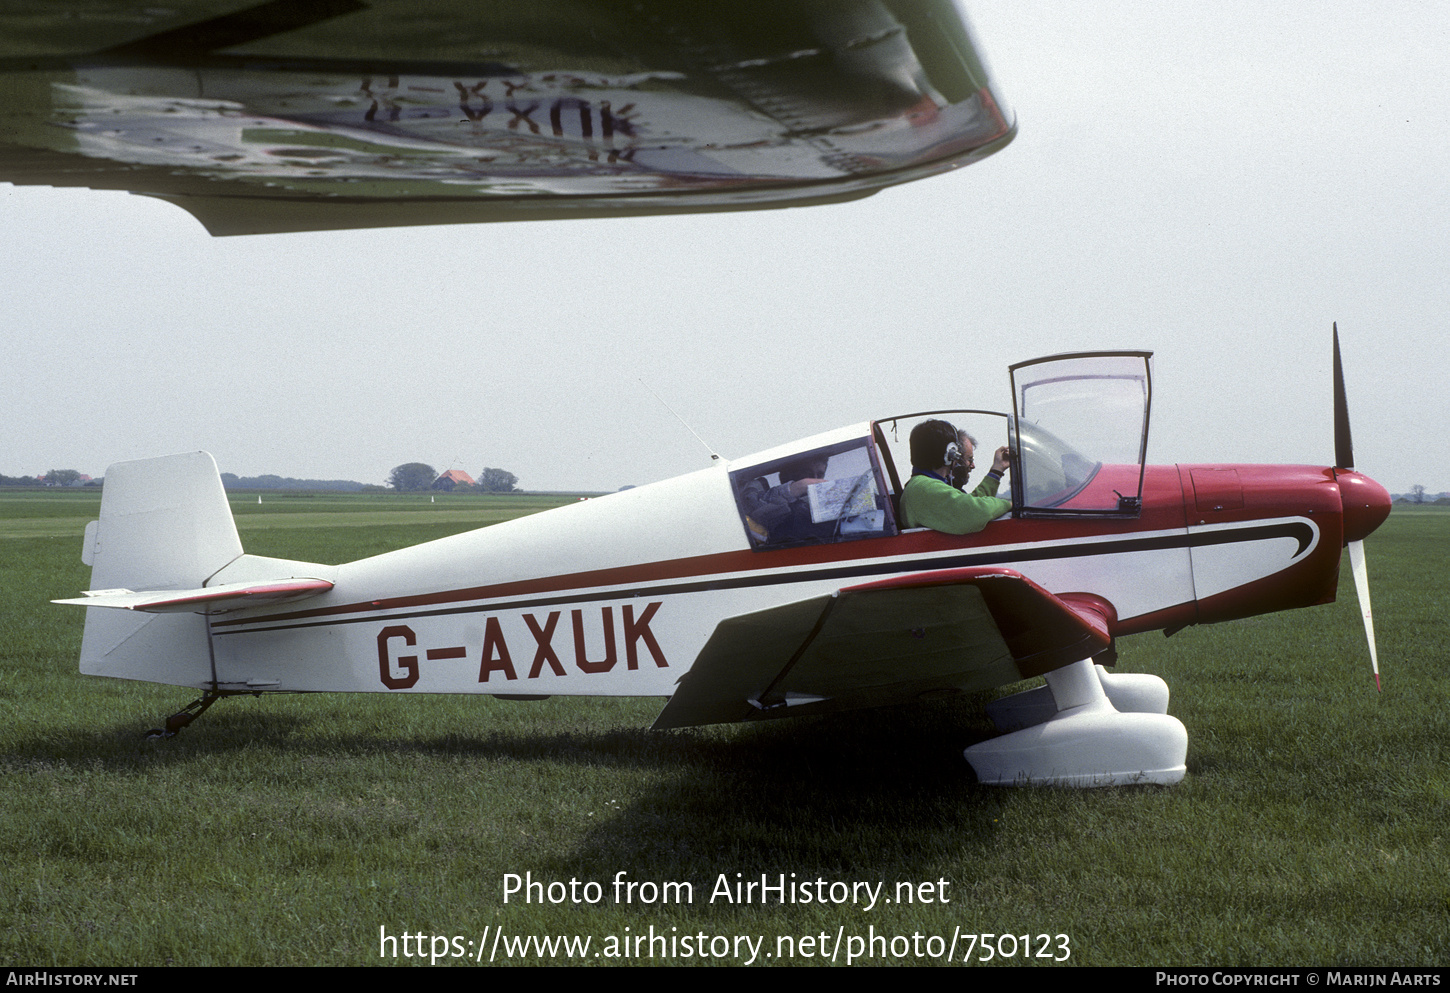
(165, 525)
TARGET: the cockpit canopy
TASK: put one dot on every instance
(1078, 433)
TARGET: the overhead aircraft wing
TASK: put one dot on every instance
(208, 600)
(294, 115)
(892, 641)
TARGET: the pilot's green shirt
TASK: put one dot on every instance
(927, 502)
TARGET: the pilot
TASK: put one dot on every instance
(782, 513)
(940, 456)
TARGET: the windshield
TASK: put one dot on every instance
(1053, 471)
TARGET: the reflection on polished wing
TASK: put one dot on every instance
(320, 114)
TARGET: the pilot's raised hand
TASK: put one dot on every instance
(1001, 461)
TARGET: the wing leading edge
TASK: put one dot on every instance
(887, 642)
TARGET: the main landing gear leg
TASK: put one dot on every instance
(184, 716)
(1075, 732)
(1128, 692)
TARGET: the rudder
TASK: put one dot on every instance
(165, 525)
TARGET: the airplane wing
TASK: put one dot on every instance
(892, 641)
(208, 600)
(293, 115)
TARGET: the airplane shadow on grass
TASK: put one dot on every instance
(816, 794)
(882, 794)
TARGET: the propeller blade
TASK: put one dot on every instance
(1343, 446)
(1361, 587)
(1344, 459)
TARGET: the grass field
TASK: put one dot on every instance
(1313, 826)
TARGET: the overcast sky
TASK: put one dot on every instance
(1214, 182)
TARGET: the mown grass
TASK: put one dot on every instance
(1312, 827)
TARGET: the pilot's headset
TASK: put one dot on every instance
(933, 444)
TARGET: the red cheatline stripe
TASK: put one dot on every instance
(650, 572)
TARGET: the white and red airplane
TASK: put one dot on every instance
(673, 590)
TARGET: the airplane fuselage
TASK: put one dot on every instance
(618, 595)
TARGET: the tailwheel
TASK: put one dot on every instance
(184, 716)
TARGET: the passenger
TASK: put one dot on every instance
(783, 513)
(939, 456)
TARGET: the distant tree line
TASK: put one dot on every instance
(56, 477)
(1417, 495)
(497, 481)
(416, 477)
(232, 481)
(410, 477)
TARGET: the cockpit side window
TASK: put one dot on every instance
(987, 429)
(817, 496)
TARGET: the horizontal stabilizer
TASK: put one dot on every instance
(208, 600)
